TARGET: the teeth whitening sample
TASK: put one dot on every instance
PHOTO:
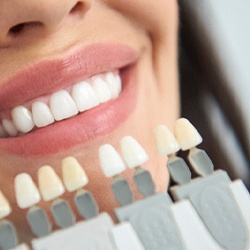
(74, 177)
(27, 193)
(201, 206)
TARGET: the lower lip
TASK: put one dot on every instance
(81, 129)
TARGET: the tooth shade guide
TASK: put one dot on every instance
(213, 201)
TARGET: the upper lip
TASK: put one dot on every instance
(48, 76)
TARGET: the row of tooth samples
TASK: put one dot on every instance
(8, 235)
(51, 188)
(112, 165)
(185, 137)
(210, 196)
(63, 104)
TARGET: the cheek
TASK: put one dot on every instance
(157, 15)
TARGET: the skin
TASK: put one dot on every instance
(149, 27)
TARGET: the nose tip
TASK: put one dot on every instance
(18, 15)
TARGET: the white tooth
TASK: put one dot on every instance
(26, 191)
(113, 83)
(3, 132)
(186, 134)
(101, 89)
(165, 140)
(118, 83)
(42, 115)
(62, 105)
(50, 185)
(9, 127)
(110, 161)
(84, 96)
(22, 118)
(5, 208)
(132, 152)
(74, 177)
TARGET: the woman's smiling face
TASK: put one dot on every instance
(52, 50)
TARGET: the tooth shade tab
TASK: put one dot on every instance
(186, 134)
(26, 191)
(9, 127)
(110, 161)
(84, 96)
(22, 119)
(132, 152)
(165, 140)
(62, 105)
(50, 184)
(5, 208)
(41, 114)
(74, 177)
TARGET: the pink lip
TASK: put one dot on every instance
(49, 76)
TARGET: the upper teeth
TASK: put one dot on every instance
(62, 104)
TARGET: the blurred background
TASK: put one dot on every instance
(215, 79)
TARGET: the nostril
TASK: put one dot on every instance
(17, 29)
(78, 7)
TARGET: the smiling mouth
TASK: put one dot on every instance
(55, 105)
(60, 105)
